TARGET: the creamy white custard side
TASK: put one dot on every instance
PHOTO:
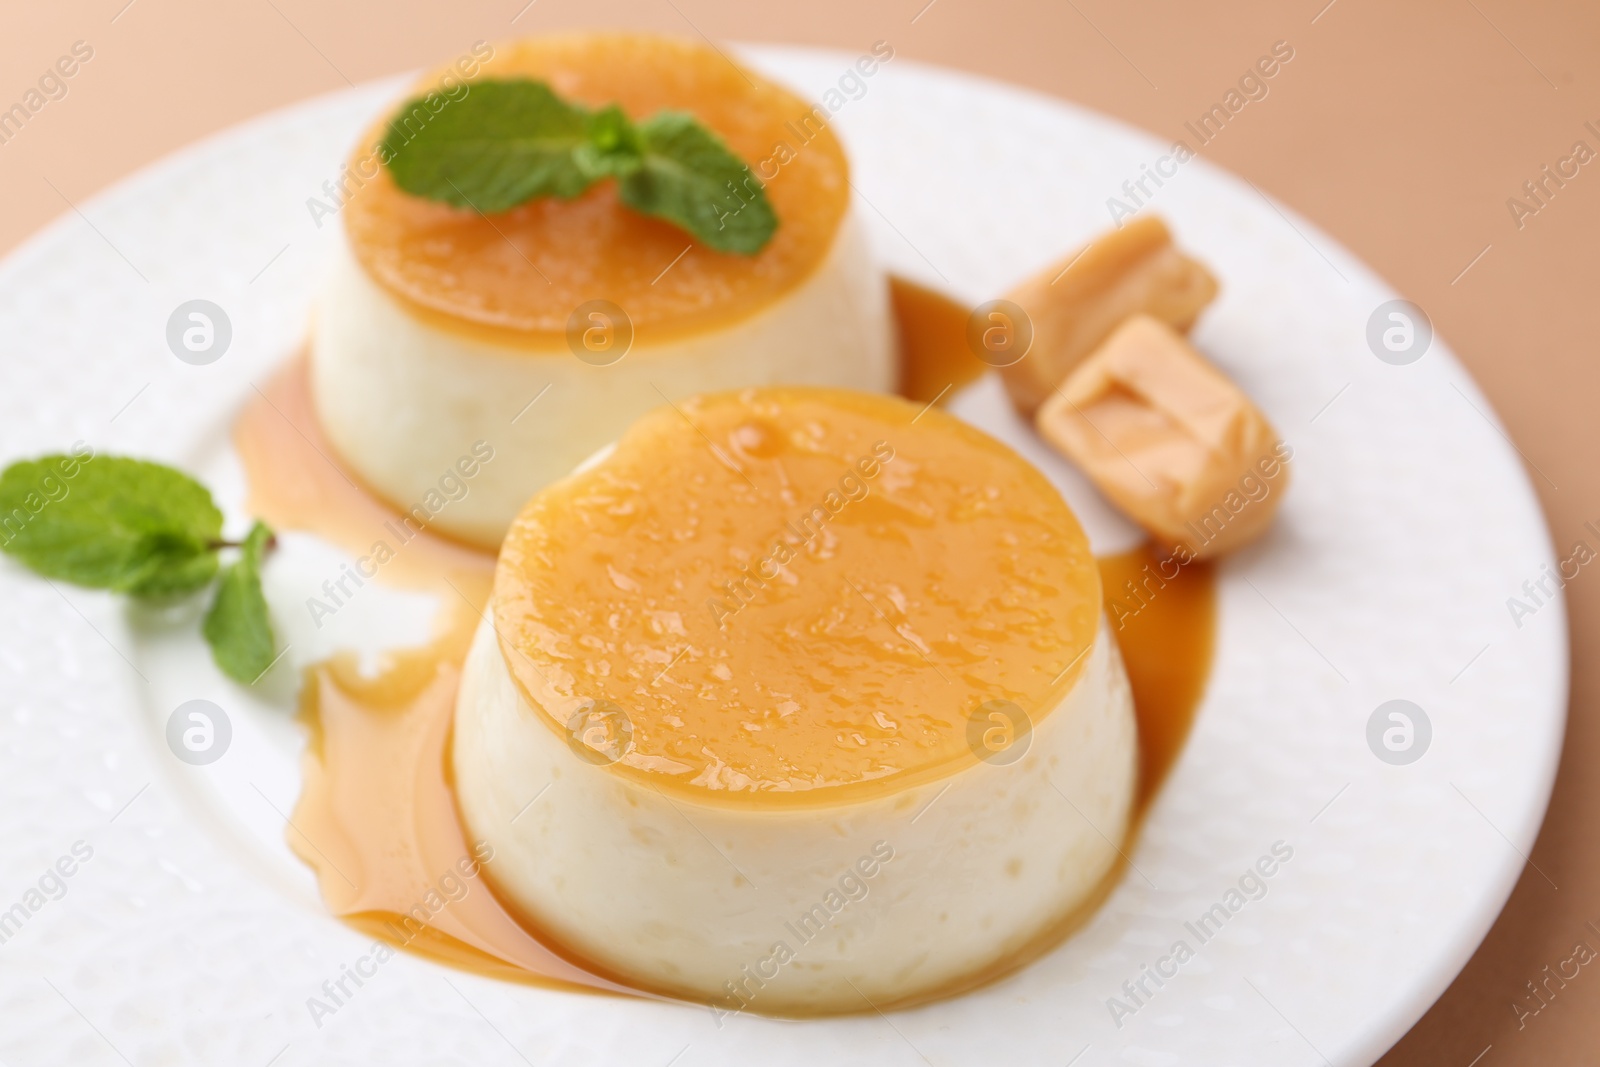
(405, 401)
(803, 910)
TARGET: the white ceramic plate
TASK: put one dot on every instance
(192, 935)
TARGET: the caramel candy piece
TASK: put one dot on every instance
(1170, 440)
(1075, 304)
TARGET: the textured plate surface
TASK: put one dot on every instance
(191, 936)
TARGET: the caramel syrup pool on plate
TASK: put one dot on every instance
(376, 819)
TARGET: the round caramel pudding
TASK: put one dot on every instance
(536, 335)
(815, 693)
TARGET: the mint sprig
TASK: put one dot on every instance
(141, 528)
(119, 524)
(237, 627)
(507, 142)
(689, 178)
(502, 144)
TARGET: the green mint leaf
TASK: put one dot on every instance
(613, 149)
(503, 143)
(692, 180)
(506, 142)
(108, 522)
(237, 627)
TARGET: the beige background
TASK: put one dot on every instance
(1401, 127)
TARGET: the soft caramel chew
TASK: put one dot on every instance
(1076, 303)
(1170, 439)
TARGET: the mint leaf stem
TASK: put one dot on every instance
(272, 542)
(107, 522)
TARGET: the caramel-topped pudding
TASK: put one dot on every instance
(440, 325)
(818, 685)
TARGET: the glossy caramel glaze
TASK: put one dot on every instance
(515, 277)
(796, 592)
